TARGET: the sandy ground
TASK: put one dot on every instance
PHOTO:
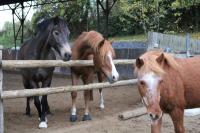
(117, 100)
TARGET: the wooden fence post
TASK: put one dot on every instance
(1, 100)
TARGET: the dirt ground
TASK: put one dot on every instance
(117, 100)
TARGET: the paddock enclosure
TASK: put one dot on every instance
(117, 99)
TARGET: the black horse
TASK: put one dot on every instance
(52, 35)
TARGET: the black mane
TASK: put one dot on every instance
(44, 24)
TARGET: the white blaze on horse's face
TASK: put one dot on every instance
(65, 50)
(149, 90)
(151, 80)
(114, 75)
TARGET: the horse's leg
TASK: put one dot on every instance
(37, 102)
(156, 127)
(73, 116)
(48, 112)
(100, 79)
(87, 93)
(28, 109)
(44, 104)
(47, 83)
(87, 116)
(43, 119)
(37, 105)
(27, 86)
(177, 118)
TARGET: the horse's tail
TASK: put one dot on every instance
(91, 95)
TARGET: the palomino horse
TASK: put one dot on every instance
(168, 85)
(52, 34)
(88, 46)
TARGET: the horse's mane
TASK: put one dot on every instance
(150, 63)
(92, 39)
(43, 24)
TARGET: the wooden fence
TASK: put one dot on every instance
(12, 64)
(123, 50)
(177, 44)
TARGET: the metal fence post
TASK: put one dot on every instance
(188, 45)
(1, 100)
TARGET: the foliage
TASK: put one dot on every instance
(7, 34)
(74, 12)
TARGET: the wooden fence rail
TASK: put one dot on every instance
(11, 64)
(44, 91)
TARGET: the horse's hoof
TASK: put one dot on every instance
(43, 124)
(87, 118)
(73, 118)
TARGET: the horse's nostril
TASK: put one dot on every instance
(113, 77)
(67, 56)
(70, 56)
(156, 116)
(153, 116)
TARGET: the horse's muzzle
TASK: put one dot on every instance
(67, 57)
(155, 117)
(113, 78)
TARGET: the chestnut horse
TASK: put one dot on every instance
(88, 46)
(168, 85)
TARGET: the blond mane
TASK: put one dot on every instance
(150, 63)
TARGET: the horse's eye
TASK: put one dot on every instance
(56, 33)
(142, 83)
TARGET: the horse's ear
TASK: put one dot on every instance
(139, 62)
(101, 43)
(111, 42)
(160, 58)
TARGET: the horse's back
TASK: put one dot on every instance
(24, 49)
(27, 51)
(190, 67)
(190, 71)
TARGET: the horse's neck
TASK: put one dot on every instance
(83, 52)
(42, 49)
